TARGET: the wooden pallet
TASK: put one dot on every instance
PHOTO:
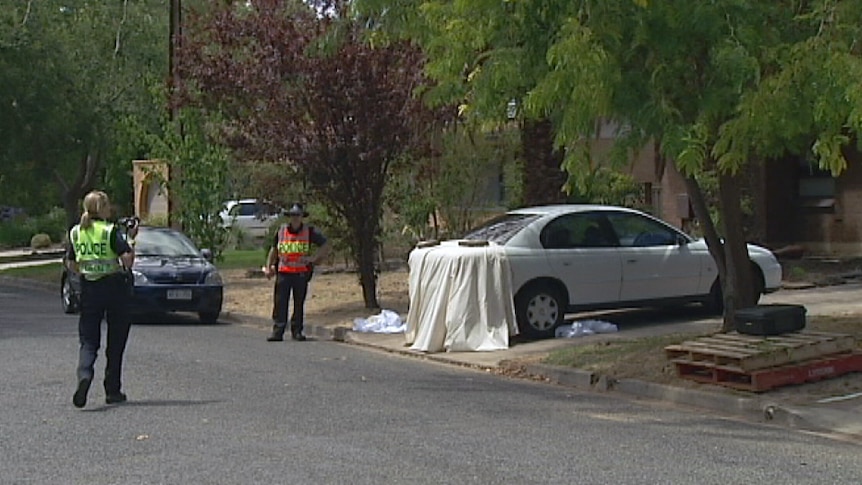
(766, 379)
(747, 353)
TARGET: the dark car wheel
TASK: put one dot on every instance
(208, 317)
(539, 310)
(715, 301)
(68, 297)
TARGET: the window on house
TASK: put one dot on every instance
(816, 188)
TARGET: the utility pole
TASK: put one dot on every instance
(173, 88)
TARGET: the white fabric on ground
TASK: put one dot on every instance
(584, 327)
(385, 322)
(460, 299)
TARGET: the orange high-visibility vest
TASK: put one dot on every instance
(292, 247)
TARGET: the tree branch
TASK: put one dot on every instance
(27, 13)
(120, 28)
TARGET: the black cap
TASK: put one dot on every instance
(297, 210)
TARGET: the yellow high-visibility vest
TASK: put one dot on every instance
(93, 252)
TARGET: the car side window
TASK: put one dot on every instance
(583, 230)
(556, 234)
(247, 209)
(268, 210)
(634, 230)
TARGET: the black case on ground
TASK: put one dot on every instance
(770, 319)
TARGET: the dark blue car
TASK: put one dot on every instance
(170, 275)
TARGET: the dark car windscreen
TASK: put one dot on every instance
(163, 243)
(501, 228)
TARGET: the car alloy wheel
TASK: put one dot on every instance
(539, 310)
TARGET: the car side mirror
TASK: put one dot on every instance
(207, 254)
(681, 240)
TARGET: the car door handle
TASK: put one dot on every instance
(631, 261)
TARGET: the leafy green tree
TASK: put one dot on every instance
(187, 144)
(686, 74)
(713, 84)
(69, 72)
(485, 56)
(443, 195)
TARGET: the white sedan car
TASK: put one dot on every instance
(251, 216)
(568, 258)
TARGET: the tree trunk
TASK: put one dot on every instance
(74, 191)
(364, 229)
(543, 176)
(710, 234)
(731, 254)
(737, 286)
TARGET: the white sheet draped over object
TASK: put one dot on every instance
(460, 299)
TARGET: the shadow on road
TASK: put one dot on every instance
(173, 319)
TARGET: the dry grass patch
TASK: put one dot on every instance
(645, 359)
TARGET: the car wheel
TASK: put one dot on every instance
(714, 302)
(208, 317)
(757, 282)
(68, 296)
(539, 310)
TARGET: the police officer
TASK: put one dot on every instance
(99, 254)
(290, 256)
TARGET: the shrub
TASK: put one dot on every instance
(40, 241)
(20, 232)
(156, 220)
(14, 234)
(53, 224)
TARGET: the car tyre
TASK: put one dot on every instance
(68, 297)
(715, 301)
(539, 310)
(758, 283)
(208, 317)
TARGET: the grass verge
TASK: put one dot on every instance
(242, 259)
(49, 272)
(644, 358)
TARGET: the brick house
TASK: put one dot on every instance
(794, 203)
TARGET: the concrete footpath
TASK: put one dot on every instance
(839, 415)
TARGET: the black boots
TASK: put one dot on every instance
(277, 334)
(80, 397)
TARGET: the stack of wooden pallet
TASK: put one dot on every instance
(755, 363)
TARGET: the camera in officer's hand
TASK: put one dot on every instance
(130, 222)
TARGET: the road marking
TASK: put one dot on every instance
(840, 398)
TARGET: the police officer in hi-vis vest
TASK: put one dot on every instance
(290, 256)
(99, 253)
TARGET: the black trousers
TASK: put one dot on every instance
(104, 298)
(285, 285)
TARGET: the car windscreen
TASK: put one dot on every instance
(501, 228)
(157, 242)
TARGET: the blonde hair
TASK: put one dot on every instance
(96, 205)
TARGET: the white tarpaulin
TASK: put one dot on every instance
(460, 299)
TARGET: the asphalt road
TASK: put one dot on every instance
(218, 405)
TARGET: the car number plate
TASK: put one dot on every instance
(179, 294)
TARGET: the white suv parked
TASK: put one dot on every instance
(251, 216)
